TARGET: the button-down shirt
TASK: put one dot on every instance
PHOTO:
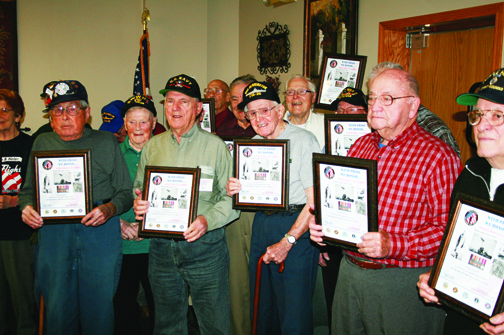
(232, 128)
(314, 124)
(222, 117)
(416, 174)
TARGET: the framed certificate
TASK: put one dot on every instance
(346, 198)
(339, 71)
(342, 130)
(62, 185)
(468, 274)
(263, 170)
(207, 120)
(173, 196)
(229, 141)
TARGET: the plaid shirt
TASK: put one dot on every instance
(416, 174)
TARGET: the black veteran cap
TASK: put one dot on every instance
(183, 84)
(491, 89)
(258, 91)
(66, 90)
(139, 101)
(350, 95)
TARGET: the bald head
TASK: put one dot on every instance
(218, 90)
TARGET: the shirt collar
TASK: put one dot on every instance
(400, 139)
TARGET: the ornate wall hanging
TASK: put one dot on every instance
(273, 49)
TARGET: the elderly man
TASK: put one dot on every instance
(481, 178)
(416, 173)
(350, 101)
(300, 93)
(79, 264)
(239, 125)
(219, 90)
(200, 262)
(239, 232)
(139, 113)
(286, 299)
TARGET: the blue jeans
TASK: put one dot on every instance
(78, 271)
(201, 268)
(285, 304)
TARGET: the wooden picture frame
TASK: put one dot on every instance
(173, 195)
(338, 72)
(63, 185)
(207, 119)
(342, 130)
(229, 141)
(346, 198)
(468, 274)
(262, 166)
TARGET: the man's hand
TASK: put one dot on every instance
(277, 253)
(129, 231)
(99, 215)
(497, 326)
(233, 186)
(140, 207)
(31, 217)
(323, 257)
(316, 232)
(7, 201)
(425, 290)
(375, 245)
(196, 229)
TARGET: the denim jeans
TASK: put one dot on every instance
(78, 271)
(201, 268)
(285, 304)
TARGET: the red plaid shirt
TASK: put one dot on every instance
(416, 174)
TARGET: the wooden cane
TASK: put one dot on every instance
(41, 316)
(258, 289)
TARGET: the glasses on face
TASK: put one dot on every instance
(496, 117)
(6, 110)
(351, 110)
(71, 110)
(265, 111)
(215, 91)
(385, 100)
(299, 92)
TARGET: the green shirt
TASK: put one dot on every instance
(132, 158)
(197, 148)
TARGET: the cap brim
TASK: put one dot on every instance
(468, 99)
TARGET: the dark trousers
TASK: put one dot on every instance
(330, 277)
(126, 308)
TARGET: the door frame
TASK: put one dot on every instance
(392, 34)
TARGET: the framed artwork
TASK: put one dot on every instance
(8, 46)
(338, 72)
(229, 139)
(263, 170)
(173, 196)
(207, 120)
(468, 274)
(346, 198)
(273, 49)
(342, 130)
(62, 185)
(330, 27)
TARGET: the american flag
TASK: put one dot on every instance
(141, 84)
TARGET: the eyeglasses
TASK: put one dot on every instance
(496, 117)
(252, 114)
(215, 91)
(385, 100)
(299, 92)
(351, 110)
(71, 110)
(6, 110)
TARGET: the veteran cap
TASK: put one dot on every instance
(257, 91)
(491, 89)
(139, 101)
(111, 116)
(66, 90)
(183, 84)
(350, 95)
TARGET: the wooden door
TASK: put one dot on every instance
(447, 68)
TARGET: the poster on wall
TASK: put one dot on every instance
(8, 46)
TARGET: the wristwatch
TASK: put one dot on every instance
(291, 239)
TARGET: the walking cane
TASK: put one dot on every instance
(258, 289)
(41, 316)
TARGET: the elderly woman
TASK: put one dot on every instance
(16, 250)
(482, 177)
(139, 115)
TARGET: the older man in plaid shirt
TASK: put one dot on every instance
(376, 292)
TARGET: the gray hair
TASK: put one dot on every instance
(411, 81)
(245, 79)
(151, 116)
(311, 84)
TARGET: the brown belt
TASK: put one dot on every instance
(290, 209)
(369, 264)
